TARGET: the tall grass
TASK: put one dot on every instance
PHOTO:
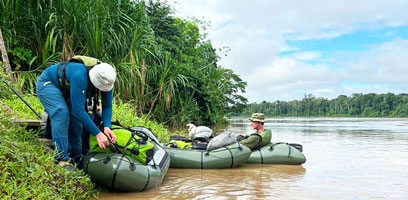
(165, 67)
(27, 169)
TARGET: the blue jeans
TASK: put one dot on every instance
(65, 128)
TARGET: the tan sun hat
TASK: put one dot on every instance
(257, 117)
(103, 76)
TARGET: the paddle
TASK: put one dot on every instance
(19, 96)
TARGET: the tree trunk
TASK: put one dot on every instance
(5, 58)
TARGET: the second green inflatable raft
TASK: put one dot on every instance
(278, 153)
(229, 156)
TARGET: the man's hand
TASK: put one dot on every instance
(110, 134)
(102, 140)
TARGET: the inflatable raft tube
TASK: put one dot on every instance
(229, 156)
(278, 153)
(121, 172)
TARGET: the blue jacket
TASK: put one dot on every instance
(78, 80)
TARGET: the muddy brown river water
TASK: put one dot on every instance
(347, 158)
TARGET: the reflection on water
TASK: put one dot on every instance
(347, 158)
(248, 181)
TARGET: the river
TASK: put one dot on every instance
(347, 158)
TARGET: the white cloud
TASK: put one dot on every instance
(311, 55)
(310, 19)
(289, 76)
(383, 63)
(256, 31)
(379, 69)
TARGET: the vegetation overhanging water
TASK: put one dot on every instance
(167, 72)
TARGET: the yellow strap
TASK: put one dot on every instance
(46, 83)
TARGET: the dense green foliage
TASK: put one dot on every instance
(27, 169)
(357, 105)
(166, 68)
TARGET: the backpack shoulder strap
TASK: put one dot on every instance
(92, 92)
(86, 60)
(63, 82)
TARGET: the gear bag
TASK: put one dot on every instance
(224, 139)
(179, 144)
(130, 142)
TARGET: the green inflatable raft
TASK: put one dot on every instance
(229, 156)
(278, 153)
(123, 173)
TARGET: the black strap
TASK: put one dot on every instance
(92, 93)
(202, 159)
(180, 138)
(139, 133)
(133, 151)
(290, 150)
(163, 161)
(148, 180)
(116, 171)
(129, 141)
(87, 164)
(136, 132)
(260, 153)
(63, 82)
(232, 157)
(200, 139)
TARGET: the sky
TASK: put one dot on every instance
(285, 49)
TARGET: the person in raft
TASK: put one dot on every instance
(261, 137)
(63, 89)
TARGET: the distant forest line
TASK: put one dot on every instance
(356, 105)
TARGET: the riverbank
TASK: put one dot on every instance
(28, 170)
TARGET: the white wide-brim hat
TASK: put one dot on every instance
(103, 76)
